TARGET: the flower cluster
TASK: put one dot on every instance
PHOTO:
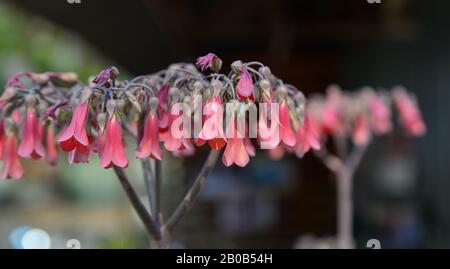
(355, 115)
(361, 114)
(43, 113)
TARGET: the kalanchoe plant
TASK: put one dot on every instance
(42, 113)
(350, 120)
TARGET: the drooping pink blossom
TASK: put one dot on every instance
(249, 146)
(361, 131)
(149, 145)
(187, 149)
(409, 114)
(77, 156)
(15, 116)
(307, 137)
(380, 116)
(235, 150)
(269, 129)
(163, 114)
(31, 143)
(331, 121)
(287, 135)
(52, 151)
(75, 135)
(11, 164)
(244, 87)
(112, 150)
(172, 142)
(212, 130)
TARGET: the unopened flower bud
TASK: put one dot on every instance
(30, 100)
(133, 101)
(236, 66)
(111, 107)
(154, 102)
(101, 120)
(174, 93)
(265, 85)
(281, 90)
(300, 98)
(216, 86)
(85, 94)
(265, 71)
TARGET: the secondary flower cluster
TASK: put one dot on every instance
(354, 115)
(359, 115)
(42, 113)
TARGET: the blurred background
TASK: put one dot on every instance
(401, 192)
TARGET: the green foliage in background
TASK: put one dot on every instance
(31, 43)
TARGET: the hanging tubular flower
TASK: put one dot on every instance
(235, 151)
(380, 117)
(361, 114)
(52, 151)
(332, 121)
(75, 136)
(210, 61)
(187, 149)
(163, 114)
(11, 164)
(244, 87)
(269, 129)
(361, 131)
(149, 144)
(31, 144)
(307, 137)
(409, 114)
(112, 150)
(286, 133)
(77, 156)
(171, 142)
(249, 147)
(212, 130)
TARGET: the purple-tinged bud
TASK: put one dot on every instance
(110, 107)
(210, 61)
(105, 76)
